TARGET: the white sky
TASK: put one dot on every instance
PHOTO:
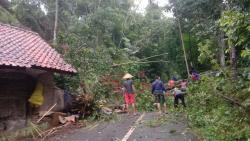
(142, 4)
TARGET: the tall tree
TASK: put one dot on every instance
(56, 22)
(200, 17)
(234, 22)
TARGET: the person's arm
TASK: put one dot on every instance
(133, 87)
(124, 87)
(163, 87)
(182, 92)
(123, 90)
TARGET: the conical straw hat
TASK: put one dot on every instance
(127, 76)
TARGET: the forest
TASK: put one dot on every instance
(103, 39)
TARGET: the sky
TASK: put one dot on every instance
(142, 4)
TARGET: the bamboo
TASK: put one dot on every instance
(183, 47)
(137, 62)
(46, 113)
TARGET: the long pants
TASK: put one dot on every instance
(176, 100)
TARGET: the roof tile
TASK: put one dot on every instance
(24, 48)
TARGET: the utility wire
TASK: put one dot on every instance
(137, 62)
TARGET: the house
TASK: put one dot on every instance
(25, 59)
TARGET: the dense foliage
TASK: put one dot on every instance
(103, 39)
(215, 117)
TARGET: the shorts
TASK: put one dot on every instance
(183, 89)
(159, 98)
(129, 98)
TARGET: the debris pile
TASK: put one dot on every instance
(82, 105)
(75, 107)
(108, 109)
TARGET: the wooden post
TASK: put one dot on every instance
(183, 47)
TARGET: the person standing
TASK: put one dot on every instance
(129, 92)
(178, 94)
(158, 90)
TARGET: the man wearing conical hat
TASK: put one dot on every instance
(129, 94)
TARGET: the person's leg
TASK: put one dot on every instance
(163, 102)
(157, 103)
(125, 106)
(183, 100)
(165, 108)
(158, 107)
(176, 101)
(134, 108)
(132, 101)
(126, 97)
(128, 108)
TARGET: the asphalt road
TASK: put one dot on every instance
(144, 127)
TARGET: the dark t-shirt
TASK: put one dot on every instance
(158, 87)
(128, 85)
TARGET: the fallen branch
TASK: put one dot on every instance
(235, 102)
(51, 131)
(153, 56)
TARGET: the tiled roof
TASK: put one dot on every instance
(24, 48)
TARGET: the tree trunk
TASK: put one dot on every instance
(150, 2)
(56, 23)
(233, 61)
(222, 46)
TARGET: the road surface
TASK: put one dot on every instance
(144, 127)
